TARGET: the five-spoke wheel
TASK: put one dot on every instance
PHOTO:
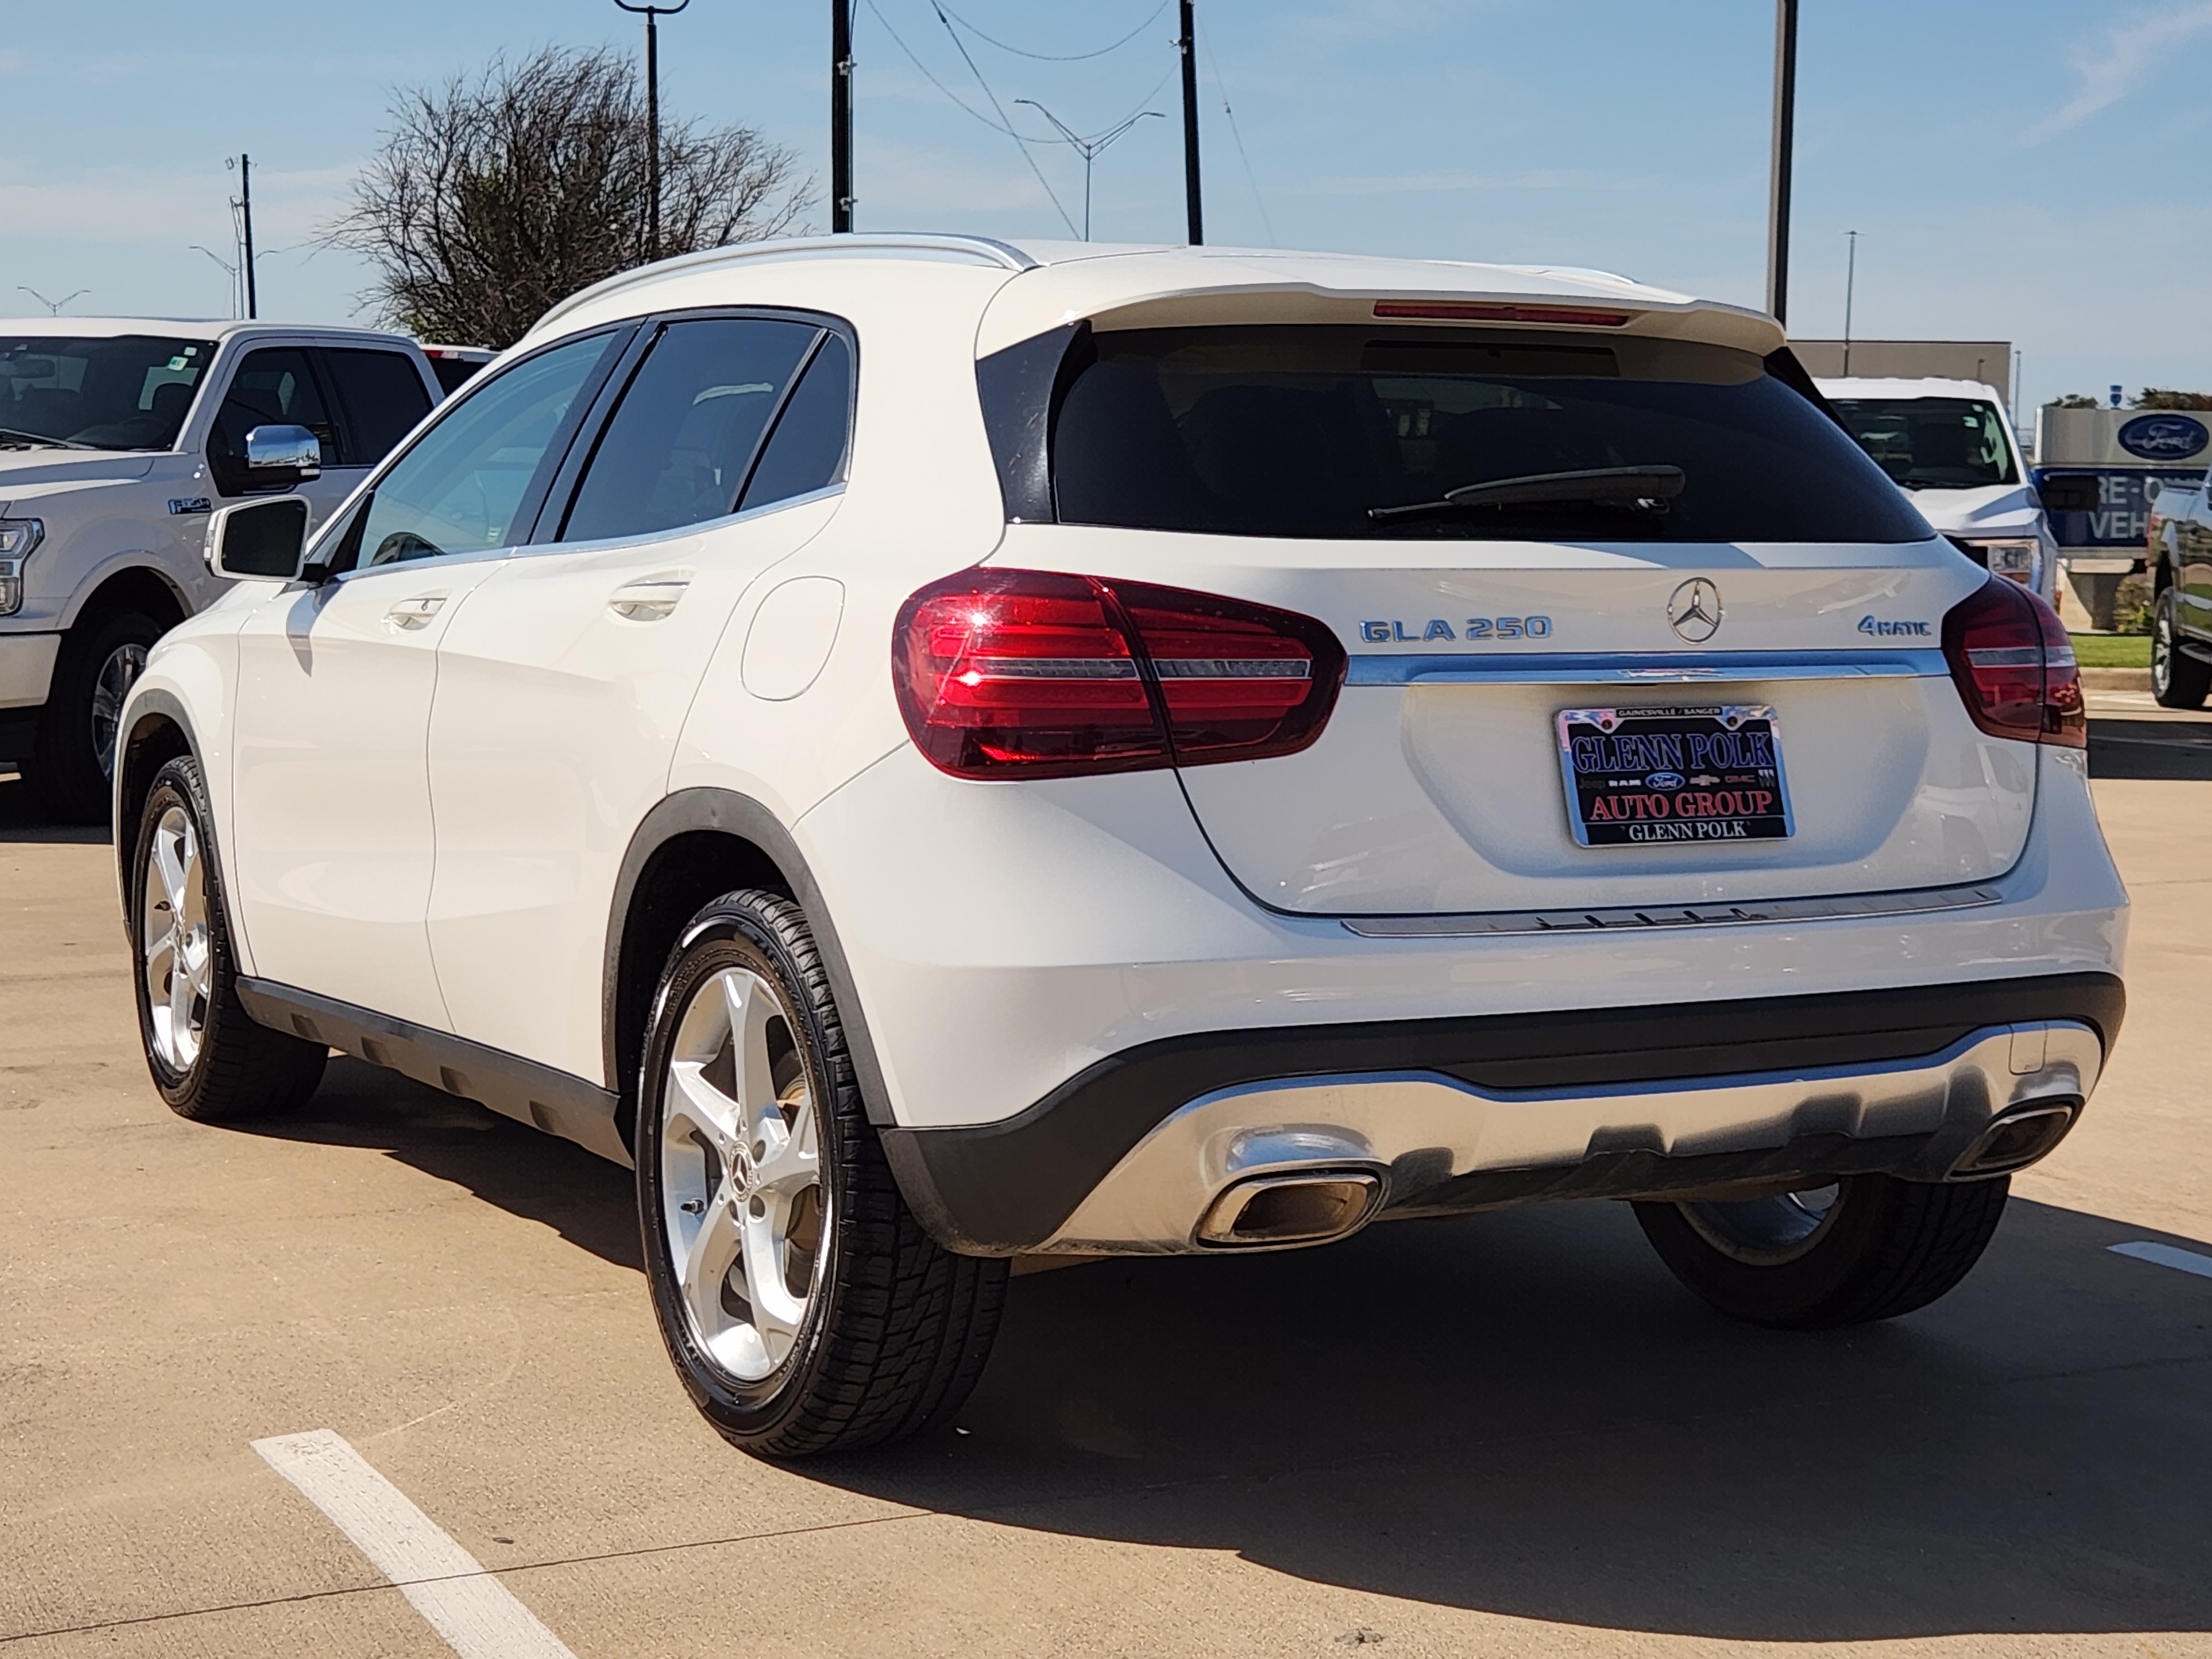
(208, 1058)
(741, 1190)
(806, 1308)
(174, 946)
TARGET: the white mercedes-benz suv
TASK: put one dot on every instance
(938, 753)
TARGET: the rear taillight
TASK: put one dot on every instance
(1033, 674)
(2015, 666)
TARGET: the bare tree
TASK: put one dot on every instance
(494, 198)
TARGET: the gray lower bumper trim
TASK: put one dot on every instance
(1441, 1144)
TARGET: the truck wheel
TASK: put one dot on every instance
(2177, 680)
(805, 1308)
(208, 1058)
(75, 759)
(1864, 1248)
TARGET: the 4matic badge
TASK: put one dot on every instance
(1876, 625)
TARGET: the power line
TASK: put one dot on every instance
(1021, 142)
(1236, 133)
(1055, 57)
(900, 42)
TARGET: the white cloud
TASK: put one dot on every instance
(2128, 57)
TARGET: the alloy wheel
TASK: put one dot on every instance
(743, 1200)
(1767, 1231)
(173, 932)
(117, 675)
(2161, 645)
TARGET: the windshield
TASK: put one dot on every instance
(1931, 443)
(128, 391)
(1337, 432)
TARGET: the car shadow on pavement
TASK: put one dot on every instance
(586, 1200)
(1522, 1414)
(24, 820)
(2163, 750)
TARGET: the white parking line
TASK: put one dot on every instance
(2166, 1256)
(477, 1616)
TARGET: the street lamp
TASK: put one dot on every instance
(1088, 148)
(653, 117)
(53, 306)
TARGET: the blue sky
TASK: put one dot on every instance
(2019, 169)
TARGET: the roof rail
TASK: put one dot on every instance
(983, 250)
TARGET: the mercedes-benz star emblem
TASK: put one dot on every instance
(1694, 610)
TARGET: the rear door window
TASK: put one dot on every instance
(682, 440)
(806, 451)
(383, 396)
(1320, 431)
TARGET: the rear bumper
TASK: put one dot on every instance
(1450, 1114)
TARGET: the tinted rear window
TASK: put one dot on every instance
(384, 399)
(1301, 431)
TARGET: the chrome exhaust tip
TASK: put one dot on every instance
(1302, 1206)
(2017, 1138)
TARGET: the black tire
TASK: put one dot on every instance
(74, 760)
(2178, 680)
(239, 1069)
(1885, 1247)
(896, 1329)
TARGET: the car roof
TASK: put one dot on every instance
(1045, 283)
(202, 328)
(1898, 386)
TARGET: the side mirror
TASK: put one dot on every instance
(277, 455)
(259, 541)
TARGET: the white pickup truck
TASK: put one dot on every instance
(1949, 445)
(117, 438)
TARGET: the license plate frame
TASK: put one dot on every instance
(1738, 764)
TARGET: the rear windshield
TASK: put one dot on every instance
(1315, 431)
(1931, 443)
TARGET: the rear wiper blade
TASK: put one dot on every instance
(1648, 487)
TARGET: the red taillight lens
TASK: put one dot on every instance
(2015, 666)
(1005, 672)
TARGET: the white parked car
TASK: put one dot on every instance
(942, 752)
(1950, 446)
(117, 437)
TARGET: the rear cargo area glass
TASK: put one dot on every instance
(1300, 431)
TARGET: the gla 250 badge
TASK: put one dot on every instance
(1476, 627)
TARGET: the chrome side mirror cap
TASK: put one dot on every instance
(259, 541)
(282, 455)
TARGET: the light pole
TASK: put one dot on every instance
(841, 115)
(1089, 149)
(1193, 207)
(1851, 285)
(53, 306)
(228, 270)
(1778, 188)
(652, 12)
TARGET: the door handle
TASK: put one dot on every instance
(649, 600)
(411, 614)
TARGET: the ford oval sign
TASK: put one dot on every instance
(2164, 437)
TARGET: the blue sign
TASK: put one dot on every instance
(2164, 437)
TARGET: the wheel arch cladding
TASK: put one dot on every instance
(694, 846)
(160, 734)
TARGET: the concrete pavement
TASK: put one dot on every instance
(1507, 1434)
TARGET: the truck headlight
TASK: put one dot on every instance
(2021, 560)
(18, 536)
